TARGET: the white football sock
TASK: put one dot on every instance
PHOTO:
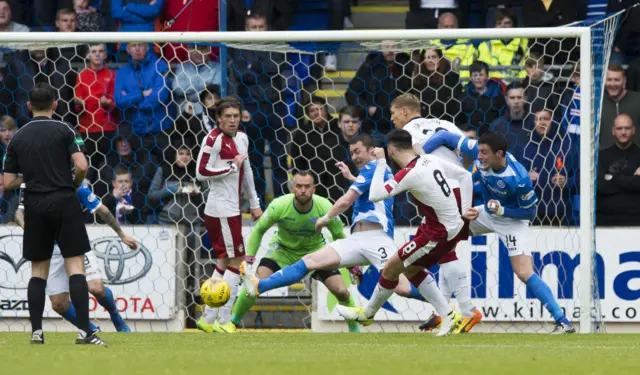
(211, 313)
(429, 290)
(381, 294)
(458, 282)
(232, 277)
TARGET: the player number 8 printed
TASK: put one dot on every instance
(446, 190)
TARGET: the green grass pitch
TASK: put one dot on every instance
(316, 353)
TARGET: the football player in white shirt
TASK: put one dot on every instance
(223, 161)
(426, 178)
(405, 114)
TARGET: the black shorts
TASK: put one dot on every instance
(320, 275)
(53, 218)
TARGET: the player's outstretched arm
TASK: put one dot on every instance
(111, 221)
(527, 200)
(442, 138)
(335, 226)
(341, 205)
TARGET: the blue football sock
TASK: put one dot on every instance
(108, 302)
(415, 294)
(286, 276)
(70, 316)
(542, 292)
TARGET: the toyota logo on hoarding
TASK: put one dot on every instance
(121, 265)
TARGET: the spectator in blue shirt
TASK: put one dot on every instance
(193, 76)
(550, 158)
(141, 92)
(136, 15)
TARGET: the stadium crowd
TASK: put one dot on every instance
(143, 109)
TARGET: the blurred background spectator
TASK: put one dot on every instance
(551, 161)
(143, 95)
(380, 78)
(94, 102)
(617, 100)
(514, 119)
(436, 85)
(618, 201)
(482, 101)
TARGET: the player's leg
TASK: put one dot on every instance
(103, 294)
(323, 259)
(214, 229)
(457, 282)
(61, 304)
(244, 302)
(58, 290)
(334, 282)
(37, 247)
(231, 229)
(73, 240)
(516, 239)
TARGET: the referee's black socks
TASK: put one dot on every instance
(36, 297)
(79, 293)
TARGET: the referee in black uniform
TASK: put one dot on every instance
(40, 154)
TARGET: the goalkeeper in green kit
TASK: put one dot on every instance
(295, 215)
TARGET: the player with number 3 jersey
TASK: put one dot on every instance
(510, 204)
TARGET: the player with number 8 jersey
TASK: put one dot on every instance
(426, 179)
(223, 162)
(510, 204)
(453, 276)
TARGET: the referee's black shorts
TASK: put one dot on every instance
(53, 218)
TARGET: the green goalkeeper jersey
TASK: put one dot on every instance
(296, 230)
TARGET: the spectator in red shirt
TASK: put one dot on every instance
(195, 15)
(94, 102)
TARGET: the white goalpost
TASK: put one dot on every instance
(171, 283)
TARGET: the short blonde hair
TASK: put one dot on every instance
(408, 101)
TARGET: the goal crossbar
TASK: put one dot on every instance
(297, 36)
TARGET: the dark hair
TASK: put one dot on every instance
(515, 86)
(506, 13)
(400, 139)
(42, 96)
(305, 173)
(226, 103)
(365, 139)
(120, 170)
(425, 78)
(478, 66)
(350, 111)
(495, 141)
(251, 14)
(212, 90)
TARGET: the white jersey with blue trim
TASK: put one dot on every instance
(421, 129)
(511, 186)
(365, 210)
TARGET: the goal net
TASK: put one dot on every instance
(143, 109)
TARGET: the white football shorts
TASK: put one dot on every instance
(373, 247)
(58, 279)
(513, 233)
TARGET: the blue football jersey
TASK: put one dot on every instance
(364, 209)
(511, 186)
(88, 199)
